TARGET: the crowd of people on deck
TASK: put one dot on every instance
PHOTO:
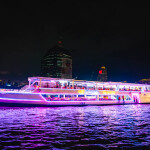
(128, 89)
(70, 86)
(82, 97)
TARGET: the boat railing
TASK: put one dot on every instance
(33, 89)
(15, 90)
(94, 89)
(130, 90)
(73, 88)
(11, 90)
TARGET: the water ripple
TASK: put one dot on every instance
(91, 127)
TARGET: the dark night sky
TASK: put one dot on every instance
(114, 34)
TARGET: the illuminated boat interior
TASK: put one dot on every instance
(55, 89)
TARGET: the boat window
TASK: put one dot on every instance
(36, 83)
(127, 97)
(67, 95)
(122, 97)
(74, 96)
(61, 96)
(90, 96)
(80, 95)
(106, 97)
(52, 96)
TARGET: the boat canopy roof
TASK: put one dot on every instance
(48, 79)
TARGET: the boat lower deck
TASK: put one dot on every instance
(63, 103)
(72, 99)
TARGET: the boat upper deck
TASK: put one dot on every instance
(59, 83)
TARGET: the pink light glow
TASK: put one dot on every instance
(19, 99)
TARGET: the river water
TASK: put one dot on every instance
(86, 127)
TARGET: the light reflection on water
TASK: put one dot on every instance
(90, 127)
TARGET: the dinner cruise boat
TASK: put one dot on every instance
(45, 91)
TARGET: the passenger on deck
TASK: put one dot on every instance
(123, 98)
(75, 86)
(65, 85)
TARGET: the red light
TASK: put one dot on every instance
(100, 72)
(60, 42)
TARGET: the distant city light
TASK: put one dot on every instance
(100, 72)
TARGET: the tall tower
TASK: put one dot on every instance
(102, 76)
(57, 62)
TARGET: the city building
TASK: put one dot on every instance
(57, 62)
(145, 81)
(102, 76)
